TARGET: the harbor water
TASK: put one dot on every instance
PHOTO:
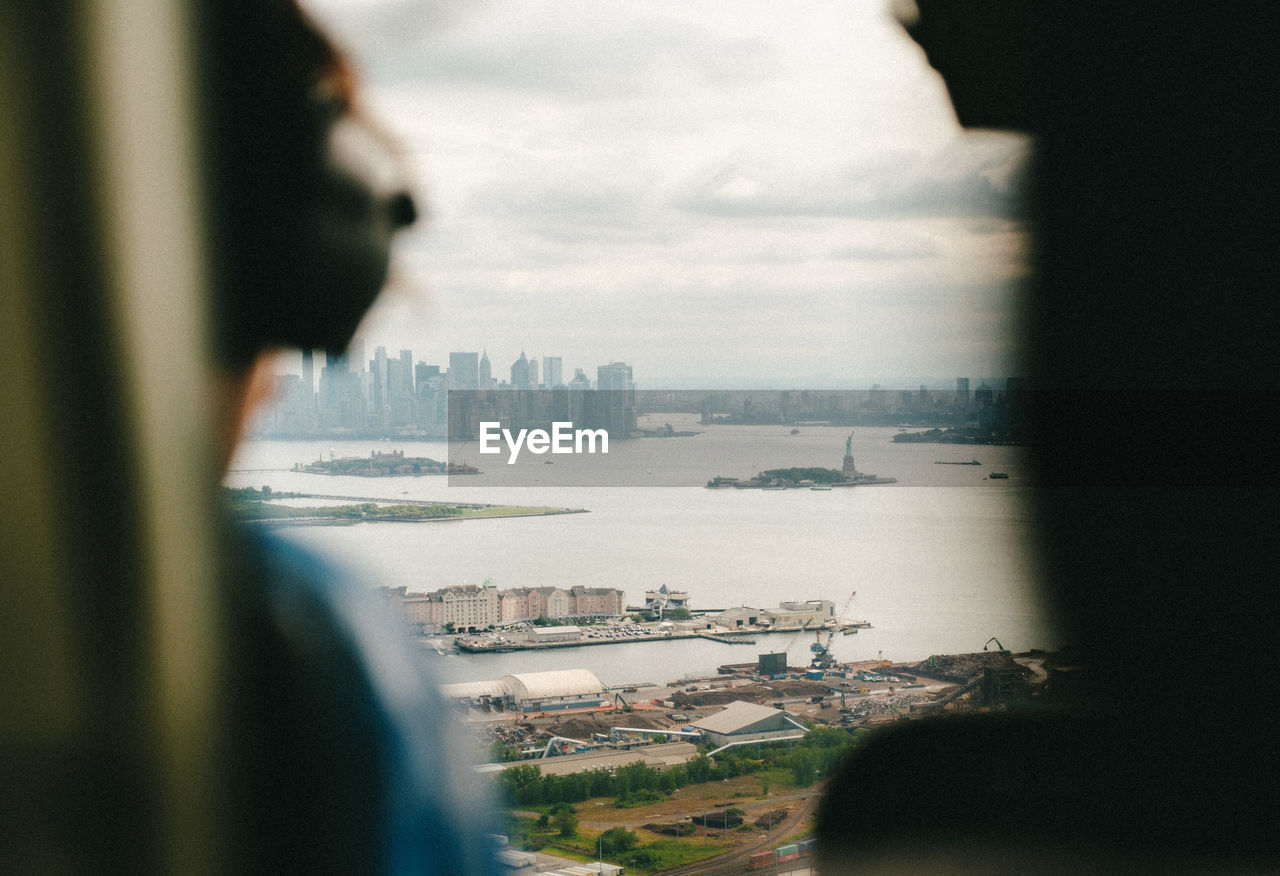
(940, 561)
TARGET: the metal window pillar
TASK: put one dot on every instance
(109, 660)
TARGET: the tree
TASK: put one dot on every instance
(450, 628)
(699, 769)
(616, 840)
(804, 767)
(566, 823)
(500, 752)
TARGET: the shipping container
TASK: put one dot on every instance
(762, 859)
(789, 852)
(806, 845)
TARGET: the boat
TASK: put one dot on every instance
(998, 475)
(795, 431)
(821, 487)
(971, 462)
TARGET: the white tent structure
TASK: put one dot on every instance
(535, 691)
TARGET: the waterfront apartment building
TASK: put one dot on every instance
(527, 603)
(469, 607)
(597, 601)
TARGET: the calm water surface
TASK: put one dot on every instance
(940, 561)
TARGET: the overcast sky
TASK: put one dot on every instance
(711, 191)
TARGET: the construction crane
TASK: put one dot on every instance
(800, 632)
(822, 658)
(1003, 649)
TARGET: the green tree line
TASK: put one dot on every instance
(807, 760)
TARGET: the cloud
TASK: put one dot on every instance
(973, 175)
(724, 187)
(573, 50)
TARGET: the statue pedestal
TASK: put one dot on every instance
(847, 469)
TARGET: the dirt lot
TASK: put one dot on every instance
(742, 792)
(582, 726)
(785, 688)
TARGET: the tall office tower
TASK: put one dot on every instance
(379, 368)
(613, 405)
(406, 372)
(615, 375)
(551, 371)
(580, 380)
(486, 371)
(983, 396)
(395, 380)
(520, 372)
(464, 371)
(533, 373)
(355, 355)
(962, 392)
(309, 370)
(423, 374)
(333, 362)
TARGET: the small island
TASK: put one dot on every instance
(812, 478)
(251, 505)
(383, 465)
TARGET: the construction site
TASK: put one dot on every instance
(862, 694)
(735, 717)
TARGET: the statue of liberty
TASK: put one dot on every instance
(848, 469)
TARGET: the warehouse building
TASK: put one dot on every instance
(535, 691)
(548, 635)
(741, 722)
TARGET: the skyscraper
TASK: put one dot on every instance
(520, 372)
(464, 371)
(309, 370)
(354, 355)
(615, 375)
(613, 406)
(486, 372)
(406, 373)
(551, 372)
(381, 392)
(962, 392)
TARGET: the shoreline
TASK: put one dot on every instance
(348, 521)
(476, 644)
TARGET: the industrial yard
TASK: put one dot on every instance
(734, 762)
